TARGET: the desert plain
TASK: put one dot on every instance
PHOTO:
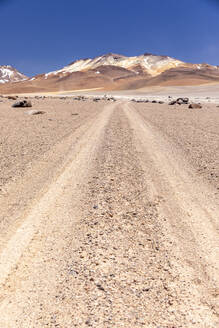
(109, 210)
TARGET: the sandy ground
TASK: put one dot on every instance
(109, 215)
(207, 93)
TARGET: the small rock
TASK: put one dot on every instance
(194, 106)
(35, 112)
(12, 97)
(79, 98)
(73, 272)
(100, 287)
(88, 323)
(173, 102)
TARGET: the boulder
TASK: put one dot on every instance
(23, 103)
(181, 101)
(194, 106)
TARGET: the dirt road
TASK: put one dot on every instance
(114, 225)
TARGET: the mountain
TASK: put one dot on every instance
(10, 74)
(146, 63)
(117, 72)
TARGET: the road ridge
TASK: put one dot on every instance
(22, 237)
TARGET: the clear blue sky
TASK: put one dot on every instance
(42, 35)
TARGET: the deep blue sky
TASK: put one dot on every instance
(38, 36)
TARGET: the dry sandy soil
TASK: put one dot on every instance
(207, 93)
(109, 215)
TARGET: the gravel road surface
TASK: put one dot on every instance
(109, 215)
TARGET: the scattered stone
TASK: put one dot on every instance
(194, 106)
(179, 101)
(12, 97)
(40, 97)
(73, 272)
(109, 98)
(35, 112)
(141, 100)
(173, 102)
(154, 101)
(88, 323)
(80, 98)
(161, 102)
(137, 100)
(73, 114)
(100, 287)
(23, 103)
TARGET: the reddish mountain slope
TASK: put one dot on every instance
(112, 72)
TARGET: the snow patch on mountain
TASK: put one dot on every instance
(10, 74)
(151, 64)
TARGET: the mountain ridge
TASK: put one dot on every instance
(114, 71)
